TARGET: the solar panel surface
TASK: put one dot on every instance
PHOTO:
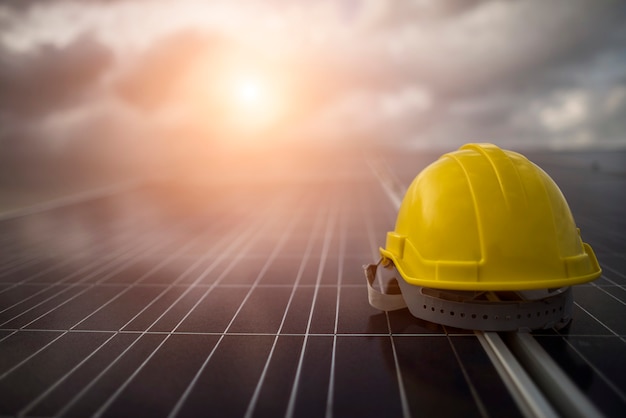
(248, 299)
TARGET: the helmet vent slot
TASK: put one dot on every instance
(482, 310)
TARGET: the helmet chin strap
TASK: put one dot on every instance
(391, 301)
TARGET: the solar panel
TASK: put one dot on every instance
(163, 300)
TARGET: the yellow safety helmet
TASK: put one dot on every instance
(486, 219)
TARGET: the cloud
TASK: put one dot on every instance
(426, 73)
(493, 65)
(28, 4)
(154, 77)
(494, 44)
(20, 5)
(50, 78)
(570, 109)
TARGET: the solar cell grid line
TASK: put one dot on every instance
(602, 324)
(73, 199)
(117, 268)
(26, 264)
(240, 255)
(11, 263)
(241, 245)
(21, 250)
(28, 358)
(17, 263)
(402, 391)
(16, 366)
(612, 264)
(612, 282)
(342, 253)
(184, 397)
(305, 258)
(40, 273)
(8, 263)
(80, 394)
(120, 253)
(62, 291)
(250, 233)
(330, 222)
(54, 267)
(615, 271)
(151, 246)
(33, 307)
(31, 254)
(34, 402)
(618, 391)
(286, 233)
(603, 290)
(100, 411)
(475, 395)
(223, 240)
(159, 265)
(7, 335)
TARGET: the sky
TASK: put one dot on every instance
(139, 77)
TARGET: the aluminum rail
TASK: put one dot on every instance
(526, 394)
(547, 375)
(537, 384)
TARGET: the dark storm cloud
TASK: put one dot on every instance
(49, 78)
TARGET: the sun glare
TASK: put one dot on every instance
(255, 100)
(249, 92)
(242, 101)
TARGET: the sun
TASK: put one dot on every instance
(239, 98)
(248, 92)
(255, 98)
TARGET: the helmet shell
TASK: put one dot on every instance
(483, 218)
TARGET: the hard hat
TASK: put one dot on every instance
(482, 218)
(486, 219)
